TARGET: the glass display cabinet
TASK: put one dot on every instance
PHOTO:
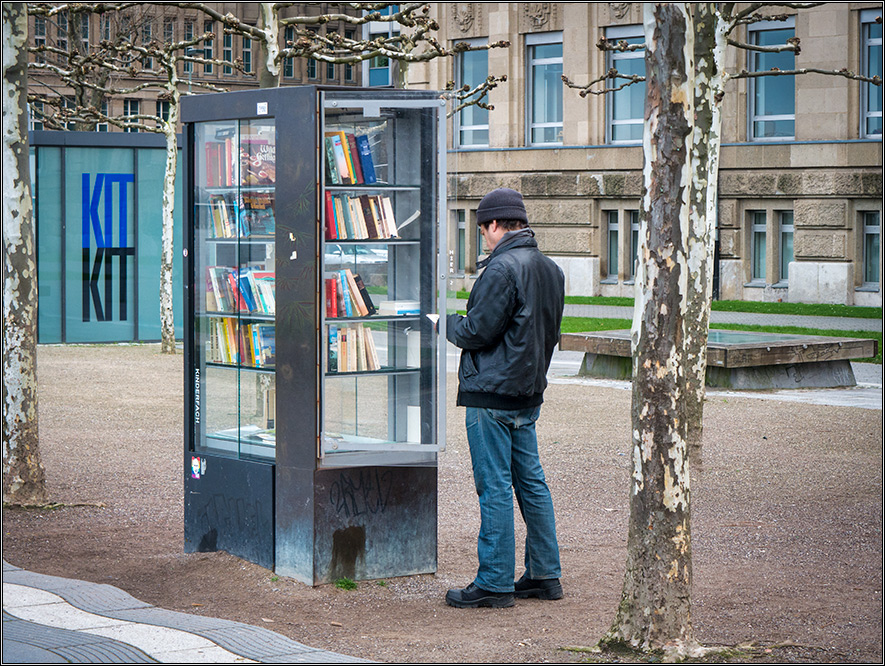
(314, 265)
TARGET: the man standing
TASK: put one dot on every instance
(507, 339)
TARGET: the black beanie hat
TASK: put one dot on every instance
(501, 204)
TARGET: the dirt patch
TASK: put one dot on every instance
(787, 525)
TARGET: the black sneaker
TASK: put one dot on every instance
(474, 597)
(548, 589)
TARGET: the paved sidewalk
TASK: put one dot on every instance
(48, 620)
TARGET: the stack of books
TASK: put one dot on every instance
(349, 159)
(359, 217)
(247, 290)
(347, 296)
(352, 349)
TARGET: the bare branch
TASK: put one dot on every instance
(844, 72)
(472, 97)
(612, 74)
(793, 44)
(621, 45)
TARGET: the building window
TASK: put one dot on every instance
(162, 110)
(758, 245)
(786, 244)
(247, 55)
(147, 30)
(461, 242)
(83, 21)
(131, 108)
(312, 69)
(633, 215)
(35, 116)
(612, 268)
(289, 63)
(168, 31)
(870, 250)
(472, 122)
(625, 108)
(871, 65)
(330, 71)
(103, 127)
(379, 70)
(40, 38)
(227, 53)
(544, 84)
(208, 53)
(772, 98)
(348, 68)
(188, 35)
(61, 35)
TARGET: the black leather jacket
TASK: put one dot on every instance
(512, 326)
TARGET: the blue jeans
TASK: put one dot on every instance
(504, 452)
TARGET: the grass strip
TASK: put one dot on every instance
(806, 309)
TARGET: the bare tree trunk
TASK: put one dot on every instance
(655, 608)
(23, 477)
(709, 50)
(269, 47)
(167, 313)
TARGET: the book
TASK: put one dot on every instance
(366, 162)
(368, 215)
(390, 229)
(398, 308)
(257, 160)
(331, 227)
(333, 348)
(331, 163)
(359, 307)
(340, 158)
(348, 157)
(331, 297)
(344, 288)
(364, 293)
(355, 158)
(256, 214)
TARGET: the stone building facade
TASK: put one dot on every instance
(801, 164)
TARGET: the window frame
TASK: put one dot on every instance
(867, 20)
(616, 33)
(613, 248)
(128, 104)
(227, 53)
(784, 229)
(758, 227)
(753, 117)
(460, 129)
(373, 30)
(532, 41)
(288, 63)
(868, 263)
(208, 47)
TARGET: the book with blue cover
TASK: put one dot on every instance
(366, 161)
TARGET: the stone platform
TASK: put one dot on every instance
(738, 359)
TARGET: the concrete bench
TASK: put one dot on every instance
(738, 359)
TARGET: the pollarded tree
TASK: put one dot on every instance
(23, 476)
(685, 47)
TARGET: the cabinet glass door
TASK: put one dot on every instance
(235, 176)
(379, 209)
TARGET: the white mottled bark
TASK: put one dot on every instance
(710, 40)
(23, 477)
(167, 316)
(655, 608)
(269, 24)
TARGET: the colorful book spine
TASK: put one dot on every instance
(366, 162)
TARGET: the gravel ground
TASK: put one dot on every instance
(787, 525)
